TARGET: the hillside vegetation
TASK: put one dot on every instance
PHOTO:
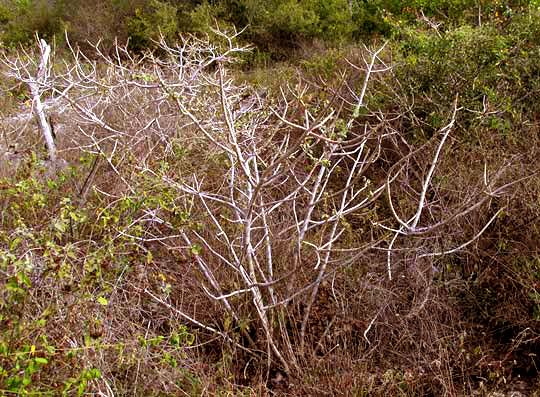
(341, 198)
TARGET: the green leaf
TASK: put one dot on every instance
(14, 243)
(102, 301)
(196, 249)
(326, 163)
(25, 279)
(60, 225)
(226, 323)
(41, 360)
(81, 388)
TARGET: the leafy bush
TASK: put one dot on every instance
(145, 27)
(278, 26)
(22, 20)
(482, 65)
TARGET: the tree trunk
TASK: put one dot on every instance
(37, 105)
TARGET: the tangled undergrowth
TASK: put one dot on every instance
(363, 234)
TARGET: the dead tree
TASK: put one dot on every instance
(36, 75)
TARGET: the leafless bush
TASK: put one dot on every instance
(266, 223)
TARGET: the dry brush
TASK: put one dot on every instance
(268, 207)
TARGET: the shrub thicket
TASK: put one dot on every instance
(275, 27)
(132, 271)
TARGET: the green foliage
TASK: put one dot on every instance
(453, 13)
(276, 26)
(272, 25)
(482, 65)
(290, 18)
(324, 65)
(19, 362)
(156, 19)
(6, 14)
(370, 19)
(22, 19)
(58, 262)
(204, 17)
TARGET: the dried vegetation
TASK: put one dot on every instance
(211, 237)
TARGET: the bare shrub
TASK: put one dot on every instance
(269, 213)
